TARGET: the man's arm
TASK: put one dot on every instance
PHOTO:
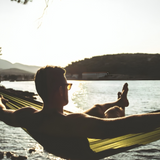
(14, 118)
(82, 125)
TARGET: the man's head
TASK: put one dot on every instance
(49, 81)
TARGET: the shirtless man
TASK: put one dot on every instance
(66, 135)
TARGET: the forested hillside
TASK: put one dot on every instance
(138, 64)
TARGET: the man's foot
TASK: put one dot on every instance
(119, 95)
(122, 97)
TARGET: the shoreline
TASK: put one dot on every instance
(19, 93)
(111, 79)
(119, 77)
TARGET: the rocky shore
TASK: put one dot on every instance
(14, 156)
(19, 93)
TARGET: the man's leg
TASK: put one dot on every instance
(111, 110)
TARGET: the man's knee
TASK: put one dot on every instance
(114, 112)
(99, 111)
(96, 110)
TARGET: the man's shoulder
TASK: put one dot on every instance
(76, 115)
(57, 117)
(24, 112)
(28, 110)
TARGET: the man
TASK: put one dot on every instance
(66, 135)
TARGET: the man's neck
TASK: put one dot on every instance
(53, 108)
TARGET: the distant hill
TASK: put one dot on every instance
(139, 65)
(7, 65)
(14, 71)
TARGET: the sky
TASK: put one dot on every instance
(72, 30)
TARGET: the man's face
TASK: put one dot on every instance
(65, 92)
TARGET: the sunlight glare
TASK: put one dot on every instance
(77, 88)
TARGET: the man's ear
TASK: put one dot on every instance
(61, 91)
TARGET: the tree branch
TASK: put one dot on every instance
(22, 1)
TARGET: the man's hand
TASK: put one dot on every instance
(3, 101)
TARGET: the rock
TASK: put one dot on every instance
(22, 157)
(32, 150)
(14, 157)
(9, 154)
(1, 155)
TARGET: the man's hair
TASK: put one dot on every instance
(48, 79)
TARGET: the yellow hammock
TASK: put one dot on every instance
(102, 147)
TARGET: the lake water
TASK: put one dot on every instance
(144, 96)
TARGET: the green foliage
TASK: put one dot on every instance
(127, 64)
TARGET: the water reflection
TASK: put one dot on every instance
(144, 96)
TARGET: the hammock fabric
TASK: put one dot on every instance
(102, 147)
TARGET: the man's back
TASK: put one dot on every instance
(57, 142)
